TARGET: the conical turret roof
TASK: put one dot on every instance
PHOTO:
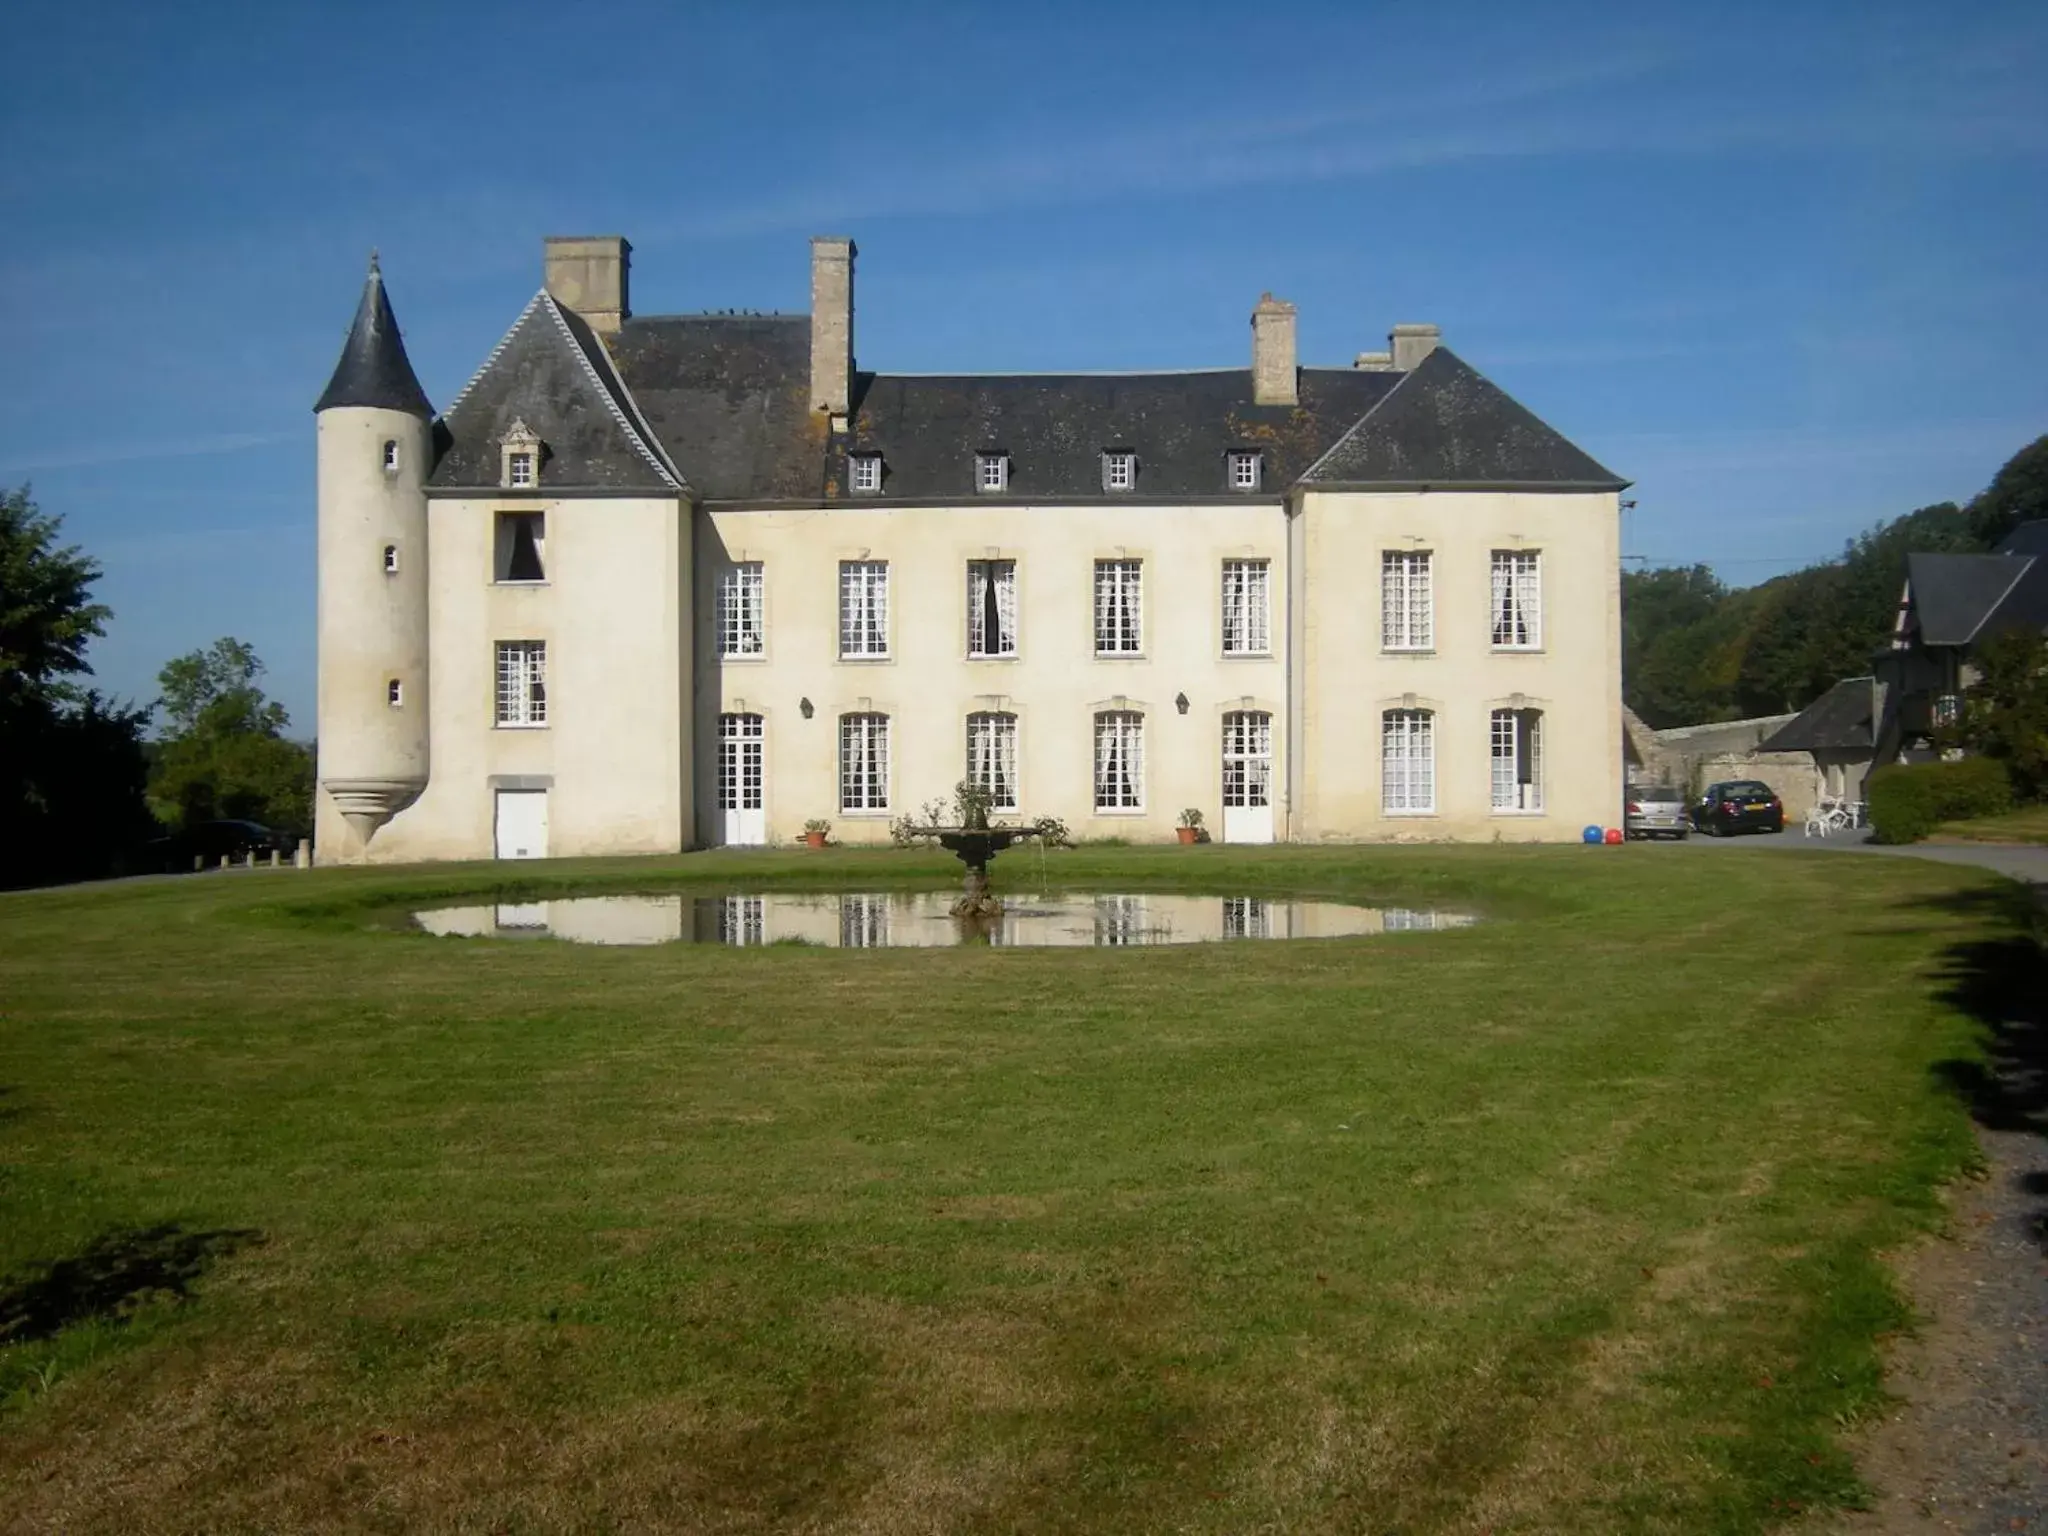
(374, 370)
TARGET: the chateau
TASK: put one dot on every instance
(656, 582)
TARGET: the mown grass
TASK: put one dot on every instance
(2028, 824)
(1567, 1222)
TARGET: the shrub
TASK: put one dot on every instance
(1052, 832)
(1907, 801)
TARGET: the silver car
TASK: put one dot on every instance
(1656, 810)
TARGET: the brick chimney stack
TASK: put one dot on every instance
(832, 323)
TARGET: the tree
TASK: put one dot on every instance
(225, 754)
(2017, 494)
(2005, 712)
(72, 771)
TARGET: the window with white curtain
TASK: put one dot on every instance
(1119, 760)
(1407, 605)
(1407, 762)
(992, 758)
(1517, 599)
(863, 608)
(522, 682)
(741, 621)
(991, 608)
(1518, 759)
(863, 762)
(1247, 625)
(1119, 607)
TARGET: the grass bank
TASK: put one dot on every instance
(1567, 1222)
(2028, 824)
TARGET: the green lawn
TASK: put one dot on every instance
(2029, 824)
(1566, 1222)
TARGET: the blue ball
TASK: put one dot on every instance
(1590, 835)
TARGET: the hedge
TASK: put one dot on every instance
(1908, 801)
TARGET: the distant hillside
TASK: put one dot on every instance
(1693, 650)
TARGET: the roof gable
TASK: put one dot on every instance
(1842, 719)
(1953, 595)
(1446, 426)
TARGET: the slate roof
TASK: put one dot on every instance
(1447, 427)
(551, 372)
(1842, 719)
(374, 370)
(1955, 595)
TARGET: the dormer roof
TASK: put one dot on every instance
(374, 370)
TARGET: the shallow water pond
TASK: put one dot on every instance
(922, 920)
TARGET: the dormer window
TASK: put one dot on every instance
(520, 468)
(390, 455)
(991, 472)
(866, 471)
(1119, 469)
(1244, 470)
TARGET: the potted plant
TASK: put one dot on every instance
(1190, 825)
(816, 830)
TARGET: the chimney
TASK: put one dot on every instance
(1273, 370)
(587, 273)
(832, 323)
(1412, 343)
(1374, 362)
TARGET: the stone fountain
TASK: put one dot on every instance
(975, 844)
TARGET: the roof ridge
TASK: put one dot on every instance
(1353, 430)
(2026, 563)
(492, 357)
(640, 433)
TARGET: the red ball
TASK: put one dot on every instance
(1613, 835)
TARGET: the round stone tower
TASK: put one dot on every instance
(375, 450)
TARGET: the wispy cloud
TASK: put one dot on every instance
(87, 457)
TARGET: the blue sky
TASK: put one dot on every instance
(1779, 264)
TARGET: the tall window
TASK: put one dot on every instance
(1517, 598)
(522, 682)
(741, 621)
(1119, 760)
(1244, 471)
(991, 472)
(1407, 761)
(867, 473)
(1247, 630)
(863, 762)
(1518, 759)
(521, 546)
(1407, 617)
(1119, 470)
(863, 608)
(991, 607)
(992, 758)
(1247, 758)
(1119, 612)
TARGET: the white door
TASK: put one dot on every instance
(739, 781)
(522, 831)
(1247, 777)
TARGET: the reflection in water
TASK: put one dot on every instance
(920, 919)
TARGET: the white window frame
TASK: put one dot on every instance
(394, 693)
(991, 473)
(1407, 600)
(1517, 605)
(1119, 470)
(1408, 762)
(391, 456)
(864, 474)
(742, 611)
(390, 559)
(1244, 469)
(1247, 759)
(1120, 607)
(1512, 733)
(505, 547)
(522, 685)
(519, 469)
(863, 610)
(1247, 608)
(1119, 762)
(1003, 573)
(992, 757)
(863, 764)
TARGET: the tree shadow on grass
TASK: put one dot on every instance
(114, 1274)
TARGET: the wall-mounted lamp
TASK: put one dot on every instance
(1180, 702)
(803, 707)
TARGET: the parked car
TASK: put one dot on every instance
(211, 841)
(1739, 805)
(1656, 810)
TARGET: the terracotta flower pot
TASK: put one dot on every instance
(1188, 834)
(814, 839)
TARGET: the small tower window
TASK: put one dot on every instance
(390, 559)
(394, 694)
(390, 455)
(522, 455)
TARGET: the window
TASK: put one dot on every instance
(522, 546)
(1119, 760)
(1244, 471)
(867, 473)
(991, 608)
(863, 762)
(1247, 630)
(1517, 599)
(1247, 759)
(740, 618)
(390, 455)
(1119, 611)
(992, 758)
(864, 921)
(1247, 917)
(1119, 470)
(1120, 920)
(1407, 762)
(863, 608)
(991, 472)
(742, 920)
(390, 559)
(519, 455)
(522, 682)
(394, 694)
(519, 470)
(1407, 621)
(1518, 759)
